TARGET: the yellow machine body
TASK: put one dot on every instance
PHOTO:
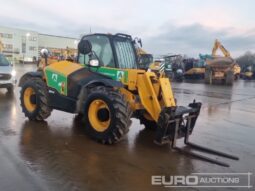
(150, 88)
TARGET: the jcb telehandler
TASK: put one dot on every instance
(107, 89)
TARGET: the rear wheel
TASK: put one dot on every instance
(106, 115)
(34, 99)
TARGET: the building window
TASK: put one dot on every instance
(23, 45)
(8, 46)
(23, 39)
(16, 51)
(6, 35)
(32, 48)
(32, 38)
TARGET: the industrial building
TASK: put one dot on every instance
(24, 45)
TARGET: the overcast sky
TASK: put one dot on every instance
(166, 26)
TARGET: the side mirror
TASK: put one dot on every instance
(138, 41)
(84, 47)
(94, 63)
(44, 53)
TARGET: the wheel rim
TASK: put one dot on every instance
(99, 115)
(29, 94)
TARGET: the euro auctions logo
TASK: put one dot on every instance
(205, 180)
(174, 180)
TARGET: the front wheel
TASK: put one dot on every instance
(34, 99)
(106, 115)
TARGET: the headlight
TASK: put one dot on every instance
(13, 73)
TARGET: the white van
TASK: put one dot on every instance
(7, 74)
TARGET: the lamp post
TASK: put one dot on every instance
(75, 53)
(27, 36)
(75, 43)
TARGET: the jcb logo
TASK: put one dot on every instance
(120, 75)
(54, 77)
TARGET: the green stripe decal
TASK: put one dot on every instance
(115, 74)
(55, 80)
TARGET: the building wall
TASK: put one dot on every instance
(19, 44)
(25, 45)
(50, 41)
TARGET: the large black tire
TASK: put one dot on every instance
(229, 77)
(149, 124)
(208, 76)
(39, 99)
(118, 114)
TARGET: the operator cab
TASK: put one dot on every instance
(114, 51)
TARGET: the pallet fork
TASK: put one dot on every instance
(181, 124)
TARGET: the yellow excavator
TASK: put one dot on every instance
(144, 59)
(218, 45)
(221, 68)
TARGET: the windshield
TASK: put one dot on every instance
(125, 52)
(3, 61)
(102, 47)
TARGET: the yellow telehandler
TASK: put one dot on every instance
(106, 89)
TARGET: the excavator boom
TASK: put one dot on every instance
(218, 45)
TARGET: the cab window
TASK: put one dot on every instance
(125, 53)
(102, 47)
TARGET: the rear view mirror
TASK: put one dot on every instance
(84, 47)
(44, 53)
(137, 41)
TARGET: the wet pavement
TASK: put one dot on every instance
(57, 155)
